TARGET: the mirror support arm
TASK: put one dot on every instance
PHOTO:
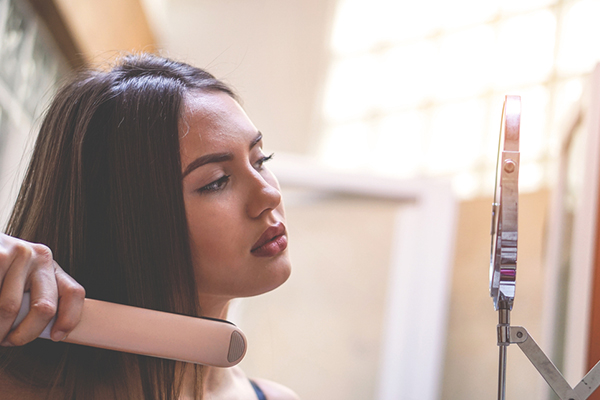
(518, 335)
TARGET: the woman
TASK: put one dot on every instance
(148, 183)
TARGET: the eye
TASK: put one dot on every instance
(215, 185)
(259, 165)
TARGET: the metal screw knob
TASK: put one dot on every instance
(509, 166)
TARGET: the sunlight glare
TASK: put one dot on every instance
(566, 105)
(465, 185)
(349, 93)
(425, 82)
(517, 6)
(534, 105)
(525, 49)
(406, 76)
(399, 148)
(462, 13)
(465, 65)
(578, 51)
(347, 146)
(456, 138)
(531, 176)
(347, 36)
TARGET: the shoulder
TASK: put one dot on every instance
(275, 391)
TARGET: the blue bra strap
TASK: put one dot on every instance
(259, 393)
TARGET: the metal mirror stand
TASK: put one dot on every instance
(504, 263)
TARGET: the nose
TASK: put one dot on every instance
(264, 194)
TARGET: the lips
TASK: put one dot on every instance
(272, 242)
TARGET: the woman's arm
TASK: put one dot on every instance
(26, 266)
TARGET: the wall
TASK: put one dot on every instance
(102, 28)
(321, 332)
(273, 52)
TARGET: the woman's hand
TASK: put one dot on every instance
(26, 266)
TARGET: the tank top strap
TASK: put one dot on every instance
(259, 393)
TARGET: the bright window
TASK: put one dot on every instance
(415, 89)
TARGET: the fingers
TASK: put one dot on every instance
(71, 296)
(14, 263)
(30, 267)
(42, 307)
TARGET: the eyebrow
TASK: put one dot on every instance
(217, 157)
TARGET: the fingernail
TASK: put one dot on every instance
(6, 343)
(58, 336)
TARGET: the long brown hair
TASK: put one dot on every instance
(104, 191)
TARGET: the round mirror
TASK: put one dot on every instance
(503, 262)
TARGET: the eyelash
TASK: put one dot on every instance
(222, 181)
(215, 185)
(259, 165)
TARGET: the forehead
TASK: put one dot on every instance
(211, 120)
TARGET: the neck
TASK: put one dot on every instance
(225, 383)
(214, 306)
(212, 377)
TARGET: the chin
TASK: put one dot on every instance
(277, 277)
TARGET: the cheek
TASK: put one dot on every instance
(216, 239)
(213, 236)
(211, 255)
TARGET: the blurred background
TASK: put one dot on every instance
(384, 116)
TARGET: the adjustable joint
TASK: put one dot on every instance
(503, 327)
(518, 334)
(503, 335)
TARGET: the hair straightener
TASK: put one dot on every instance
(153, 333)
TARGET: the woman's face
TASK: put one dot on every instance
(232, 201)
